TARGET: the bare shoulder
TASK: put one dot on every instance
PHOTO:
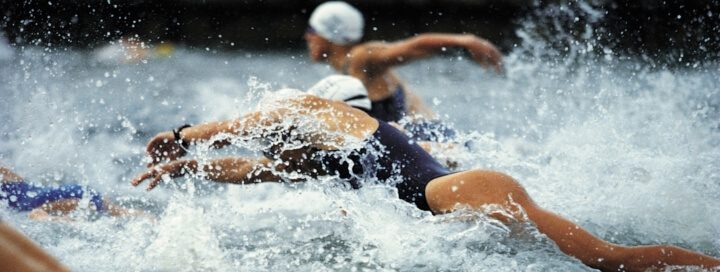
(367, 56)
(317, 105)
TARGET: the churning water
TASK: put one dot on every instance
(627, 149)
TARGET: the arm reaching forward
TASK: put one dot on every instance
(226, 170)
(164, 147)
(425, 45)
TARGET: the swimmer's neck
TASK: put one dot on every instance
(338, 56)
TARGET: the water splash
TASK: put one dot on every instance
(627, 149)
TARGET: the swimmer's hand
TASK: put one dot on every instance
(484, 53)
(171, 169)
(164, 148)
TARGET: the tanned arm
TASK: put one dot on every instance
(225, 170)
(164, 147)
(426, 45)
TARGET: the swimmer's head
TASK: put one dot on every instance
(342, 88)
(337, 22)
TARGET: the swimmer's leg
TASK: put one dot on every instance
(479, 188)
(18, 253)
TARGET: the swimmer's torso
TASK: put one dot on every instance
(381, 82)
(386, 155)
(341, 124)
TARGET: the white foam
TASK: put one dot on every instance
(628, 151)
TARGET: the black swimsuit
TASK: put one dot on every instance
(398, 156)
(390, 109)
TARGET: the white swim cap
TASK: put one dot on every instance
(338, 22)
(342, 88)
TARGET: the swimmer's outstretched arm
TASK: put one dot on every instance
(425, 45)
(226, 170)
(164, 147)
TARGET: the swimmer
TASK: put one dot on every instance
(129, 50)
(352, 91)
(18, 253)
(42, 202)
(431, 135)
(425, 183)
(334, 34)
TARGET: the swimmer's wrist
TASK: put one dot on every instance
(178, 137)
(191, 167)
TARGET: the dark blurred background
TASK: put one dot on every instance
(686, 28)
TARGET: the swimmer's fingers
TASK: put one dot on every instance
(154, 183)
(172, 170)
(155, 176)
(139, 179)
(493, 65)
(496, 62)
(487, 55)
